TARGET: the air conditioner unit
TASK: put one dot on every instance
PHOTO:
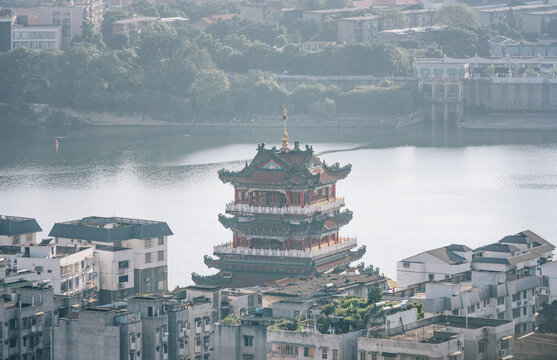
(501, 352)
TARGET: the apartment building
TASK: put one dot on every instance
(70, 269)
(16, 230)
(26, 320)
(116, 278)
(261, 12)
(548, 282)
(148, 240)
(98, 333)
(37, 37)
(436, 264)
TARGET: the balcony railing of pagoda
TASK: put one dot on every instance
(345, 244)
(290, 210)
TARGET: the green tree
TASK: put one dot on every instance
(547, 320)
(552, 28)
(89, 35)
(375, 294)
(458, 15)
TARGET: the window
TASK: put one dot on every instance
(335, 354)
(516, 313)
(291, 350)
(481, 346)
(516, 297)
(124, 264)
(309, 352)
(161, 240)
(524, 294)
(160, 255)
(147, 258)
(430, 277)
(501, 300)
(470, 309)
(148, 243)
(248, 340)
(505, 343)
(324, 353)
(455, 312)
(525, 310)
(296, 313)
(406, 265)
(16, 239)
(247, 357)
(362, 355)
(123, 279)
(373, 355)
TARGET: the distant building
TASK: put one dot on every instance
(536, 22)
(318, 16)
(361, 29)
(433, 265)
(15, 230)
(71, 15)
(148, 240)
(420, 17)
(37, 37)
(315, 46)
(507, 14)
(116, 4)
(498, 44)
(396, 36)
(396, 3)
(213, 19)
(133, 26)
(98, 333)
(261, 12)
(7, 21)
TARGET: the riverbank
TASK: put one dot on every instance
(48, 115)
(510, 121)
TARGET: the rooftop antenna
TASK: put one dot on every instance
(284, 134)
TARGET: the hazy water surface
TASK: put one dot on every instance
(410, 190)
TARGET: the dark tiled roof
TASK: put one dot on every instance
(90, 229)
(458, 248)
(285, 169)
(498, 247)
(447, 256)
(14, 225)
(525, 237)
(111, 248)
(491, 260)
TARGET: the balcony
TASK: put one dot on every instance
(164, 337)
(344, 244)
(324, 206)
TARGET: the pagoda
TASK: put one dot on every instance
(285, 219)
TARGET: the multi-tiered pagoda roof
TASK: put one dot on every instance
(293, 169)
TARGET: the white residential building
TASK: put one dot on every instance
(436, 264)
(15, 230)
(116, 280)
(70, 269)
(146, 238)
(37, 37)
(548, 286)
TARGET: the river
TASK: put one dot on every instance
(410, 190)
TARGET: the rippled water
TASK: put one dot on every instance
(410, 190)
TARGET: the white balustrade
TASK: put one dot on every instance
(291, 210)
(345, 243)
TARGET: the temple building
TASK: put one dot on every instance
(285, 219)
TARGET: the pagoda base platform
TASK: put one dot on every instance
(238, 279)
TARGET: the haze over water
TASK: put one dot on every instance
(410, 190)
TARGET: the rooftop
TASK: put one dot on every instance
(108, 229)
(16, 225)
(326, 284)
(111, 248)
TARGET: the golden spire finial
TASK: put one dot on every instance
(285, 134)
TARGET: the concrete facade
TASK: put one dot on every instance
(16, 230)
(260, 12)
(98, 333)
(37, 37)
(283, 344)
(548, 282)
(116, 273)
(241, 342)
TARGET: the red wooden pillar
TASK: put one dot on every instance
(234, 240)
(319, 242)
(287, 198)
(302, 199)
(288, 247)
(303, 244)
(235, 196)
(334, 191)
(250, 243)
(328, 240)
(249, 198)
